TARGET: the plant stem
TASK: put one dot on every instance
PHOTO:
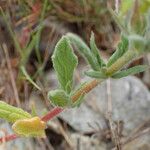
(85, 89)
(8, 138)
(54, 112)
(126, 58)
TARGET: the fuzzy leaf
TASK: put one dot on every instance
(121, 49)
(59, 98)
(95, 74)
(95, 51)
(64, 62)
(32, 127)
(11, 113)
(84, 50)
(130, 71)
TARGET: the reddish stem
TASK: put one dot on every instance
(54, 112)
(8, 138)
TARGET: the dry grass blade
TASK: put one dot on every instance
(11, 74)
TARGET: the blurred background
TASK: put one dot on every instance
(29, 31)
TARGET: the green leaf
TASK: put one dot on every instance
(31, 127)
(95, 51)
(11, 113)
(121, 49)
(84, 50)
(59, 98)
(130, 71)
(64, 62)
(95, 74)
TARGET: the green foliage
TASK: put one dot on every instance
(95, 51)
(121, 49)
(59, 98)
(121, 56)
(64, 62)
(84, 50)
(12, 114)
(130, 71)
(96, 74)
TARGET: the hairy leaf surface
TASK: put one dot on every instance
(130, 71)
(11, 113)
(64, 62)
(121, 49)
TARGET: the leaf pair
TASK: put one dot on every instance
(121, 50)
